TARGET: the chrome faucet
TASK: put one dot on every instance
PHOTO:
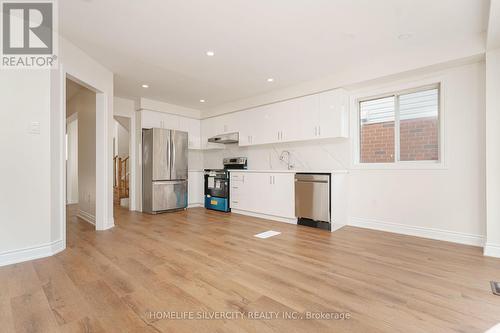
(286, 158)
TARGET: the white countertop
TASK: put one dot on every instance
(290, 171)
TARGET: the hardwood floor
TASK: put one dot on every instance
(130, 278)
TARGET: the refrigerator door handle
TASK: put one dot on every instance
(172, 158)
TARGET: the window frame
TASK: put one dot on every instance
(396, 91)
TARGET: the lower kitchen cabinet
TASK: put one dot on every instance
(195, 188)
(270, 194)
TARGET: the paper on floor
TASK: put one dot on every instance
(267, 234)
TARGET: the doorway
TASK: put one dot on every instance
(121, 161)
(80, 153)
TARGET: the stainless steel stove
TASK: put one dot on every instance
(217, 184)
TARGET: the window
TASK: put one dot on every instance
(401, 126)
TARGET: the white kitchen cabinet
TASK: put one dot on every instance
(255, 126)
(305, 117)
(151, 119)
(312, 117)
(270, 194)
(333, 114)
(192, 126)
(195, 188)
(281, 197)
(226, 123)
(172, 121)
(209, 128)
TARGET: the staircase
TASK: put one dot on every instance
(121, 179)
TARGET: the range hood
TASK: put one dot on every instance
(225, 138)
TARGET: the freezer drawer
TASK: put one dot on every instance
(168, 195)
(312, 197)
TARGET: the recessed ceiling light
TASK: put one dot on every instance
(405, 36)
(270, 79)
(145, 86)
(202, 101)
(210, 53)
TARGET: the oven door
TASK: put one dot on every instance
(217, 186)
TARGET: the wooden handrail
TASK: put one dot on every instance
(121, 177)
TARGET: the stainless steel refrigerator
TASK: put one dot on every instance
(164, 170)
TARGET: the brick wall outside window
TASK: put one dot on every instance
(377, 142)
(418, 141)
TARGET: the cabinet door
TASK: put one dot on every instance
(237, 190)
(283, 117)
(305, 119)
(171, 121)
(208, 130)
(282, 195)
(256, 126)
(192, 126)
(151, 119)
(226, 124)
(249, 124)
(333, 115)
(195, 187)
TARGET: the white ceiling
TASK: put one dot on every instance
(163, 42)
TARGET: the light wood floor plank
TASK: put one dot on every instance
(209, 262)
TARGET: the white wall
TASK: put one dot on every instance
(451, 199)
(122, 138)
(72, 160)
(492, 151)
(25, 168)
(84, 105)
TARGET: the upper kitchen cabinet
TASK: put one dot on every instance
(151, 119)
(305, 120)
(226, 123)
(317, 116)
(192, 126)
(210, 128)
(264, 123)
(154, 119)
(333, 114)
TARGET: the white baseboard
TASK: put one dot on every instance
(491, 250)
(31, 253)
(195, 205)
(265, 216)
(438, 234)
(111, 224)
(336, 226)
(86, 217)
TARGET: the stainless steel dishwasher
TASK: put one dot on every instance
(312, 200)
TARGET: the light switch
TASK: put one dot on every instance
(34, 127)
